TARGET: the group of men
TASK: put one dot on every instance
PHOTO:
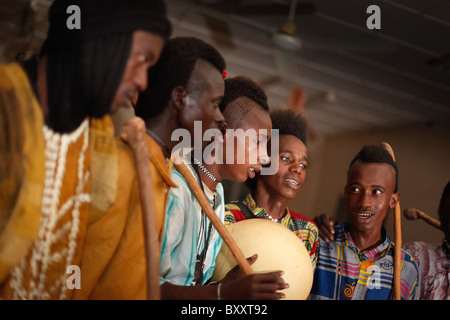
(70, 191)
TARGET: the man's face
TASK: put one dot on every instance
(293, 161)
(249, 150)
(369, 194)
(145, 50)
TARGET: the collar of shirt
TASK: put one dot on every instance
(343, 232)
(261, 212)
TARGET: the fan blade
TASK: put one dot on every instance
(348, 44)
(272, 9)
(235, 7)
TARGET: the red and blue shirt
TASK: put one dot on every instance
(344, 272)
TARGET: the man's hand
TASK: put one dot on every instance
(325, 224)
(236, 273)
(258, 286)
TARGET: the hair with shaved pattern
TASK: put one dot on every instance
(175, 68)
(235, 88)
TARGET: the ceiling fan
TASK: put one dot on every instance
(219, 13)
(286, 35)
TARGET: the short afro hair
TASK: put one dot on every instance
(376, 154)
(289, 122)
(241, 86)
(174, 68)
(286, 122)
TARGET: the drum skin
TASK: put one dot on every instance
(278, 248)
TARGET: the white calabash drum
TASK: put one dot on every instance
(278, 248)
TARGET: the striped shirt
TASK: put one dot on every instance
(180, 241)
(302, 227)
(344, 272)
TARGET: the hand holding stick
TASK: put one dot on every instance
(216, 222)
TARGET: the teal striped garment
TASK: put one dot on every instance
(181, 233)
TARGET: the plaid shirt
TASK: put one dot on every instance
(343, 272)
(302, 227)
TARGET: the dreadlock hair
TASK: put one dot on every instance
(83, 79)
(85, 67)
(376, 154)
(174, 68)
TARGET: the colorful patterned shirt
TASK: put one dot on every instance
(302, 227)
(344, 272)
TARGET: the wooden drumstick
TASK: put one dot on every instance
(397, 237)
(133, 132)
(415, 214)
(210, 213)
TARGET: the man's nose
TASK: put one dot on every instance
(296, 167)
(141, 80)
(365, 200)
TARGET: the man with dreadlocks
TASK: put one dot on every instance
(60, 168)
(184, 86)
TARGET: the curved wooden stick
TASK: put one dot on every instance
(415, 214)
(133, 132)
(211, 214)
(397, 238)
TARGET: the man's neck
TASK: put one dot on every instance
(274, 206)
(366, 240)
(162, 127)
(207, 180)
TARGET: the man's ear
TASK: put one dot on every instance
(394, 200)
(179, 95)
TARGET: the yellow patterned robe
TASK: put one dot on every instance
(50, 186)
(114, 263)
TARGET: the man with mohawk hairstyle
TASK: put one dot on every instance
(190, 244)
(358, 264)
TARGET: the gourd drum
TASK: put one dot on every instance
(278, 248)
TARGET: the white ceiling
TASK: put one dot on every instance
(373, 78)
(354, 78)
